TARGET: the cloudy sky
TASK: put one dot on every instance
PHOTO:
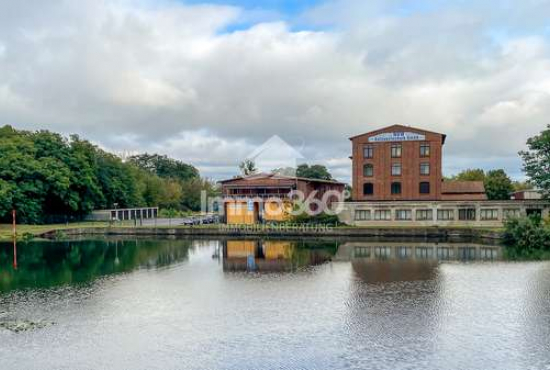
(209, 82)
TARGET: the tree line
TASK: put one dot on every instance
(536, 165)
(46, 177)
(497, 183)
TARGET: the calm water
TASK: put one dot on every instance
(179, 304)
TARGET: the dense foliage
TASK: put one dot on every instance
(315, 171)
(475, 174)
(498, 184)
(527, 237)
(320, 219)
(165, 167)
(46, 177)
(536, 161)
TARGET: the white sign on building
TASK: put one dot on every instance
(397, 136)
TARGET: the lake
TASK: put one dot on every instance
(271, 304)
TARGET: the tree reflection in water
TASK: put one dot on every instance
(46, 264)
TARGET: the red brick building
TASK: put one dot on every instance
(404, 163)
(397, 163)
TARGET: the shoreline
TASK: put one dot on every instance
(298, 231)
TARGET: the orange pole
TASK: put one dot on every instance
(14, 241)
(14, 229)
(14, 254)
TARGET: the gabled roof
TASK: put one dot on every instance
(273, 176)
(462, 187)
(402, 128)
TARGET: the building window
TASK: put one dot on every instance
(424, 188)
(424, 169)
(368, 151)
(511, 213)
(395, 188)
(425, 150)
(362, 252)
(396, 169)
(403, 252)
(368, 170)
(445, 214)
(368, 188)
(424, 215)
(489, 214)
(488, 253)
(362, 215)
(467, 214)
(396, 150)
(403, 215)
(424, 252)
(466, 253)
(382, 215)
(382, 252)
(444, 253)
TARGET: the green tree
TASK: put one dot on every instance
(536, 161)
(522, 185)
(498, 185)
(172, 194)
(247, 167)
(192, 189)
(470, 175)
(116, 181)
(32, 182)
(44, 175)
(315, 171)
(86, 192)
(165, 167)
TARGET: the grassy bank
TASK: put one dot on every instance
(6, 232)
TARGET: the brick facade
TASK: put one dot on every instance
(410, 140)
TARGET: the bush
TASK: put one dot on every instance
(322, 218)
(527, 236)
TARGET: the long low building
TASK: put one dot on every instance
(438, 213)
(121, 214)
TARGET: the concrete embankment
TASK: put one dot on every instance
(295, 232)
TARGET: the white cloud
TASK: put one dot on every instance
(169, 77)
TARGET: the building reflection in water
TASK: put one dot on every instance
(394, 302)
(381, 261)
(386, 262)
(274, 255)
(425, 251)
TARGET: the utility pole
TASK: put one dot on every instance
(14, 223)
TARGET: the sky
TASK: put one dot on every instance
(208, 82)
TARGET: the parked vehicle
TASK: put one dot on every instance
(191, 221)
